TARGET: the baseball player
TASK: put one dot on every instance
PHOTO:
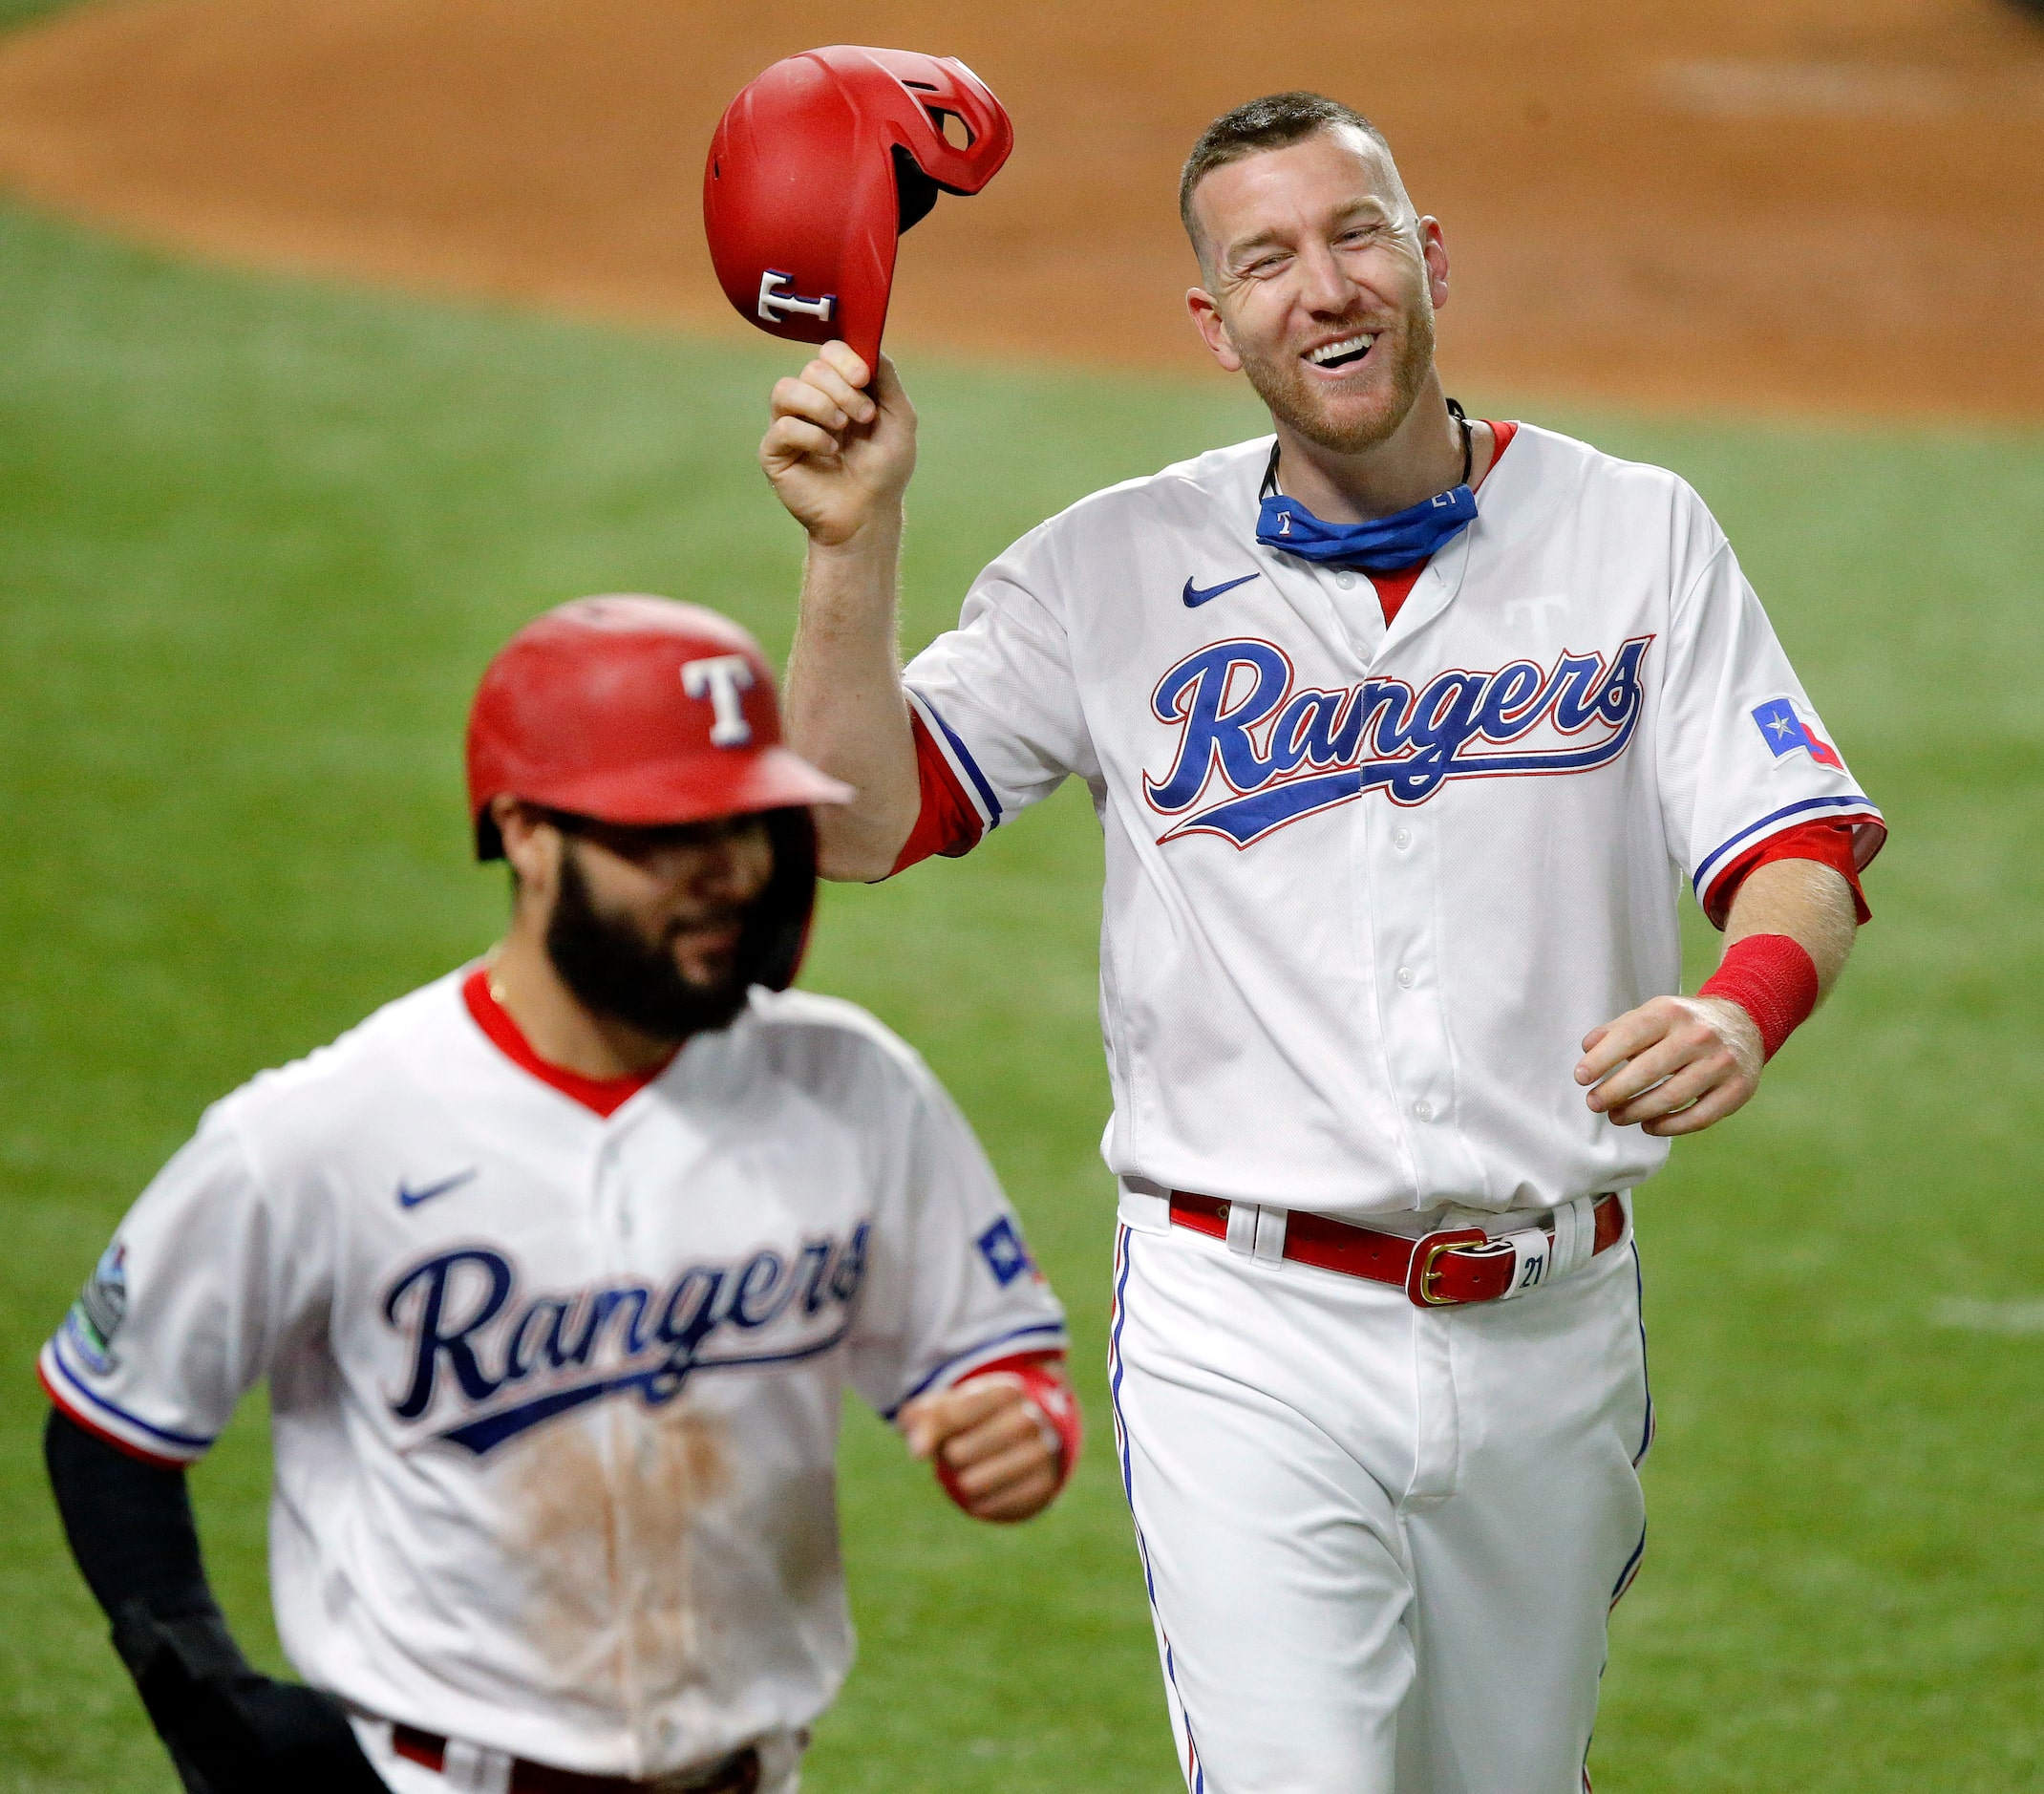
(558, 1269)
(1402, 729)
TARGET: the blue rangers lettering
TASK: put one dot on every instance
(472, 1339)
(1282, 752)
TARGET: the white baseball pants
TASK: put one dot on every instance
(1381, 1542)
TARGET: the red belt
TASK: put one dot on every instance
(1436, 1270)
(738, 1774)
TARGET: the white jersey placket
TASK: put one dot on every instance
(651, 1571)
(607, 1194)
(1401, 893)
(1397, 933)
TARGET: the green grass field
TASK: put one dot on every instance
(256, 541)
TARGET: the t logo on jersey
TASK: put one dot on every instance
(1280, 751)
(1784, 731)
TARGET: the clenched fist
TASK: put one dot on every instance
(840, 456)
(997, 1452)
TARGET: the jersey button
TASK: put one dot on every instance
(1346, 581)
(1401, 839)
(1423, 1110)
(1407, 978)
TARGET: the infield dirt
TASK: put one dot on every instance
(1821, 204)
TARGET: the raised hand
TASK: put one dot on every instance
(838, 454)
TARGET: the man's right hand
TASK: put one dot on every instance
(838, 456)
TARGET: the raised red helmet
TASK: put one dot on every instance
(818, 166)
(634, 710)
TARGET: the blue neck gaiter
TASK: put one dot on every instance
(1383, 545)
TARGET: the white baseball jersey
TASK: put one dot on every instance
(1367, 886)
(555, 1397)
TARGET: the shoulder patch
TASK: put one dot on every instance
(102, 1305)
(1783, 728)
(1002, 1247)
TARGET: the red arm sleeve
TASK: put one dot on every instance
(1828, 844)
(947, 823)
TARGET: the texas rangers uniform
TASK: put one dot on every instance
(555, 1383)
(1368, 885)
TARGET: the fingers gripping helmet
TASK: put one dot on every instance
(644, 712)
(818, 166)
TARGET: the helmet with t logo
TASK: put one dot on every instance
(646, 712)
(818, 167)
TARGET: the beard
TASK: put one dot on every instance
(617, 971)
(1295, 401)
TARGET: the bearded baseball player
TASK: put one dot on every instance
(556, 1270)
(1403, 730)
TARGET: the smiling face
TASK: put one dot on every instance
(1321, 285)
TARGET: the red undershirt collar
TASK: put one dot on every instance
(604, 1095)
(1395, 588)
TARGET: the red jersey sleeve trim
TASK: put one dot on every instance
(1836, 844)
(947, 822)
(85, 1422)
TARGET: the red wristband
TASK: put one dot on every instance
(1043, 1383)
(1773, 979)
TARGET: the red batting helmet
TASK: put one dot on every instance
(644, 712)
(818, 166)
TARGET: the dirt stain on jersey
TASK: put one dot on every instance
(800, 1528)
(673, 1465)
(603, 1512)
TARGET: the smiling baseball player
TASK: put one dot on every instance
(1403, 729)
(556, 1270)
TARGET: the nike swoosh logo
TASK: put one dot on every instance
(1194, 597)
(412, 1198)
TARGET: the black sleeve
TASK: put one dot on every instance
(129, 1523)
(229, 1728)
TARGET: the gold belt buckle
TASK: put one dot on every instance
(1424, 1272)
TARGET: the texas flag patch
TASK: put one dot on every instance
(1784, 731)
(1002, 1247)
